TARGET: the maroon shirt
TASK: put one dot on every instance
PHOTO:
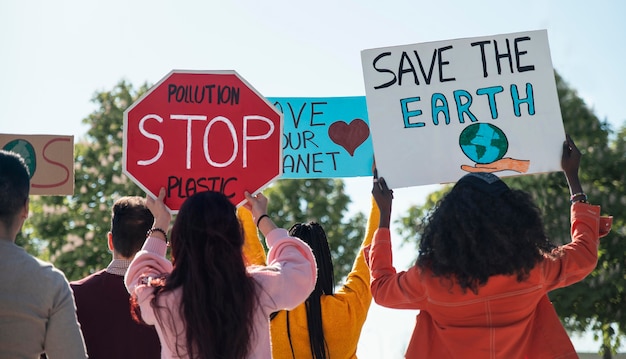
(103, 310)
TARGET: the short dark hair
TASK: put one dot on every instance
(14, 185)
(130, 220)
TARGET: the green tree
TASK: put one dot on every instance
(598, 303)
(71, 230)
(323, 201)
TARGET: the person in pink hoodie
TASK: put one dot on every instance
(206, 302)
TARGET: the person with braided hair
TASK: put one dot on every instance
(328, 324)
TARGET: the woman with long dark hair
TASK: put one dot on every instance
(484, 268)
(207, 303)
(328, 324)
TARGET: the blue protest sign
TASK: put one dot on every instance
(325, 137)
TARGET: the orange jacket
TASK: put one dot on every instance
(506, 319)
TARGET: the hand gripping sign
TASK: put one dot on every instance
(200, 131)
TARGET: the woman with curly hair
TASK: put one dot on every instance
(207, 303)
(484, 268)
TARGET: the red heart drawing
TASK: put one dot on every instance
(349, 136)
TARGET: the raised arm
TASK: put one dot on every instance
(390, 288)
(359, 278)
(291, 270)
(252, 248)
(570, 162)
(575, 260)
(150, 262)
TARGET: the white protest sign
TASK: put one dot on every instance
(439, 110)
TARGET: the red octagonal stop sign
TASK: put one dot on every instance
(202, 130)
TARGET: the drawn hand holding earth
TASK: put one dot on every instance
(486, 145)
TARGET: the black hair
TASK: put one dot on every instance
(219, 297)
(14, 186)
(130, 221)
(472, 235)
(313, 234)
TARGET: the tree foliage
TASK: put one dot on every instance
(75, 227)
(323, 201)
(71, 231)
(598, 303)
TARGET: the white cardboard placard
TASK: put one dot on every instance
(439, 110)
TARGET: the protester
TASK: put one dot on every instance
(37, 312)
(102, 301)
(328, 324)
(484, 268)
(206, 303)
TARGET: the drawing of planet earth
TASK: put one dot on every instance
(483, 143)
(26, 150)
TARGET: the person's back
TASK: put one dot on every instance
(328, 324)
(102, 300)
(206, 303)
(502, 321)
(103, 309)
(37, 312)
(484, 268)
(489, 306)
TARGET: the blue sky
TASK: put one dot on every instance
(55, 55)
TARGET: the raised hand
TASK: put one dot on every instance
(158, 209)
(570, 162)
(383, 197)
(256, 204)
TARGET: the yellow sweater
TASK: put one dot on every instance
(343, 314)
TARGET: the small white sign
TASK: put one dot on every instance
(439, 110)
